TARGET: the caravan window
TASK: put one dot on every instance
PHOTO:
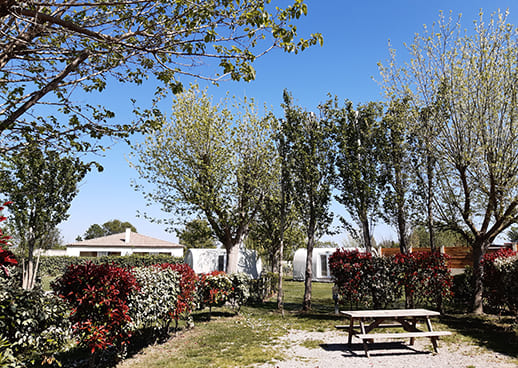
(324, 265)
(221, 263)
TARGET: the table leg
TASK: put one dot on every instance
(351, 331)
(414, 323)
(433, 339)
(362, 329)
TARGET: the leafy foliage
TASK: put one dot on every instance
(41, 185)
(500, 274)
(197, 234)
(213, 160)
(154, 302)
(34, 324)
(378, 281)
(309, 157)
(98, 295)
(186, 301)
(52, 48)
(214, 289)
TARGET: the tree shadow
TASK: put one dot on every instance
(484, 332)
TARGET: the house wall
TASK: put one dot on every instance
(93, 251)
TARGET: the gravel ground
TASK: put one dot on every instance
(329, 349)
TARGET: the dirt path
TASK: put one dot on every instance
(329, 349)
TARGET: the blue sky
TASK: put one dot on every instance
(356, 36)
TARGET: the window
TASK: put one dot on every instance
(324, 265)
(221, 263)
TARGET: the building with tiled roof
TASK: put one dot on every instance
(123, 244)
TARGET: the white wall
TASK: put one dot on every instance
(75, 251)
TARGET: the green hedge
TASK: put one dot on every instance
(57, 265)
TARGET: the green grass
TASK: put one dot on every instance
(252, 337)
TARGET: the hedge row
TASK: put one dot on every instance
(57, 265)
(101, 305)
(378, 282)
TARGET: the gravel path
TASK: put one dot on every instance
(329, 349)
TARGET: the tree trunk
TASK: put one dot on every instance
(429, 201)
(479, 250)
(232, 258)
(280, 305)
(366, 234)
(306, 304)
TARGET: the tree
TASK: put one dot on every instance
(469, 80)
(108, 228)
(210, 160)
(197, 233)
(41, 184)
(359, 138)
(397, 166)
(512, 234)
(50, 240)
(51, 48)
(309, 152)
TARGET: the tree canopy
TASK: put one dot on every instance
(197, 233)
(41, 185)
(212, 160)
(49, 49)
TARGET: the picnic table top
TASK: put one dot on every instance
(380, 313)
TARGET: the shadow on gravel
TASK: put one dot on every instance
(375, 350)
(499, 338)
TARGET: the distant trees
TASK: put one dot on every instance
(108, 228)
(197, 233)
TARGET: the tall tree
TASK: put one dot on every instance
(50, 48)
(212, 160)
(41, 184)
(309, 151)
(360, 141)
(470, 79)
(397, 158)
(197, 233)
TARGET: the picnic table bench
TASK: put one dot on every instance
(405, 318)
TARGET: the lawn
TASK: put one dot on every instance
(230, 340)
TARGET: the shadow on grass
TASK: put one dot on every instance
(499, 337)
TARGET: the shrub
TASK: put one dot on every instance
(495, 293)
(214, 289)
(98, 295)
(425, 277)
(463, 288)
(152, 305)
(350, 270)
(186, 301)
(33, 326)
(240, 289)
(263, 287)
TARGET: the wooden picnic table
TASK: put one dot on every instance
(405, 318)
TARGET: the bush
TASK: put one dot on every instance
(508, 268)
(186, 301)
(425, 278)
(463, 288)
(33, 326)
(98, 295)
(214, 289)
(240, 289)
(495, 289)
(153, 304)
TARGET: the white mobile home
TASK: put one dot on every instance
(320, 264)
(207, 260)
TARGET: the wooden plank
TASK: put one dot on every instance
(402, 335)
